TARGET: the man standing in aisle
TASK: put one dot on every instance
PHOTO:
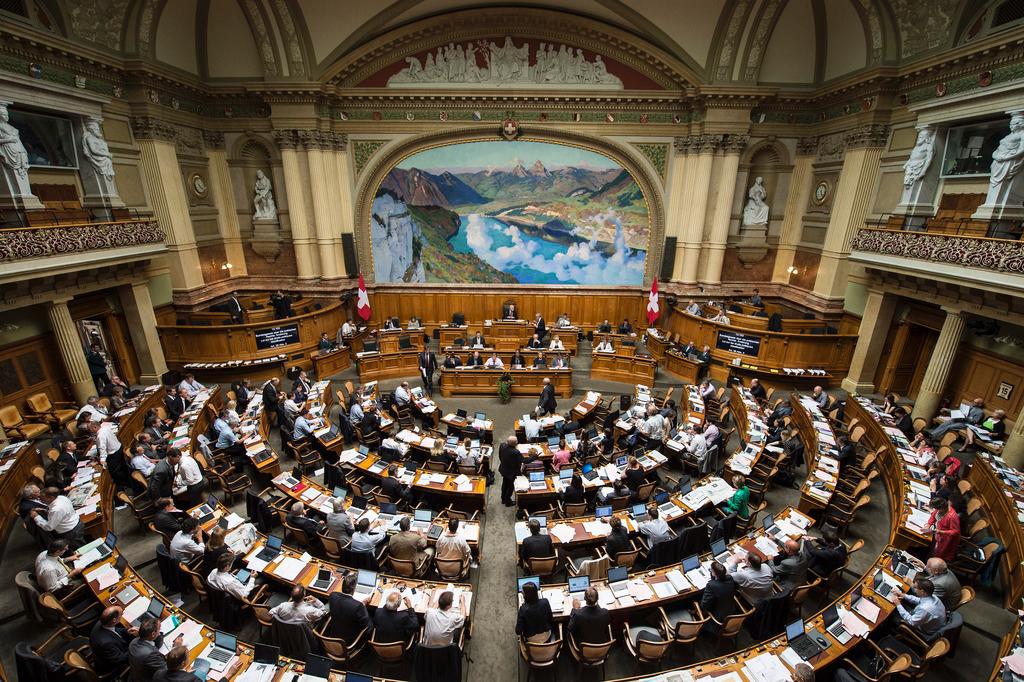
(428, 365)
(510, 465)
(547, 404)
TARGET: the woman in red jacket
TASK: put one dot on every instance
(947, 529)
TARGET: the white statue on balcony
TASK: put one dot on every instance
(1009, 155)
(756, 210)
(95, 149)
(920, 157)
(263, 203)
(12, 151)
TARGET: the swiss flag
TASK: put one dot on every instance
(363, 301)
(652, 303)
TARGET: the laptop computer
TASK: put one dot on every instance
(577, 586)
(482, 416)
(639, 512)
(324, 578)
(266, 654)
(272, 549)
(154, 610)
(685, 487)
(357, 677)
(603, 512)
(461, 413)
(834, 625)
(591, 473)
(621, 462)
(434, 532)
(541, 520)
(691, 562)
(451, 441)
(554, 441)
(881, 587)
(661, 497)
(565, 474)
(366, 582)
(223, 649)
(618, 581)
(340, 492)
(421, 519)
(720, 551)
(317, 668)
(127, 595)
(528, 579)
(358, 505)
(537, 481)
(243, 575)
(807, 645)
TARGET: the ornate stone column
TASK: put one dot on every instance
(857, 181)
(224, 200)
(874, 328)
(796, 205)
(1013, 450)
(699, 180)
(321, 171)
(345, 205)
(162, 175)
(921, 175)
(71, 352)
(934, 382)
(678, 197)
(295, 193)
(138, 310)
(732, 147)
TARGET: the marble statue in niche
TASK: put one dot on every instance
(920, 157)
(12, 151)
(95, 149)
(1009, 155)
(263, 202)
(756, 210)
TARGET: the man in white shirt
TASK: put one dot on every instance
(189, 387)
(495, 362)
(61, 518)
(693, 308)
(654, 426)
(531, 427)
(721, 318)
(366, 538)
(347, 328)
(820, 397)
(556, 344)
(402, 396)
(564, 321)
(698, 447)
(223, 579)
(440, 625)
(189, 482)
(605, 346)
(299, 609)
(655, 529)
(92, 407)
(51, 572)
(105, 438)
(186, 544)
(753, 578)
(142, 463)
(450, 545)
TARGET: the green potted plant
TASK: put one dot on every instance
(505, 387)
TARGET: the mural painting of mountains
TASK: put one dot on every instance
(477, 212)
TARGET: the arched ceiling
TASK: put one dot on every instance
(786, 42)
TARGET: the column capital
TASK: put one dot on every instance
(734, 144)
(682, 144)
(952, 312)
(707, 144)
(870, 135)
(285, 139)
(213, 139)
(807, 146)
(151, 128)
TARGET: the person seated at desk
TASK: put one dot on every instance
(517, 361)
(451, 546)
(975, 415)
(556, 343)
(625, 327)
(704, 356)
(778, 416)
(533, 622)
(718, 599)
(393, 625)
(905, 424)
(589, 623)
(187, 543)
(302, 385)
(414, 323)
(752, 578)
(325, 343)
(282, 305)
(790, 566)
(531, 428)
(402, 395)
(706, 390)
(167, 519)
(298, 518)
(757, 390)
(634, 474)
(563, 320)
(494, 362)
(348, 328)
(574, 493)
(189, 387)
(536, 544)
(477, 341)
(889, 404)
(688, 350)
(721, 318)
(820, 397)
(301, 609)
(755, 300)
(619, 489)
(389, 323)
(534, 342)
(559, 362)
(510, 312)
(562, 455)
(928, 614)
(475, 360)
(391, 448)
(52, 573)
(109, 641)
(539, 361)
(738, 504)
(366, 538)
(827, 552)
(467, 456)
(221, 578)
(293, 405)
(451, 361)
(339, 523)
(605, 346)
(994, 426)
(409, 545)
(370, 421)
(655, 529)
(693, 308)
(355, 410)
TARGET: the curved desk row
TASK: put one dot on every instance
(483, 381)
(998, 486)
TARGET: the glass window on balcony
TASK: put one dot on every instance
(969, 148)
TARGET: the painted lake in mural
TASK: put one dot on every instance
(509, 212)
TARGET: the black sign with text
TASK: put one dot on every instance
(734, 342)
(275, 337)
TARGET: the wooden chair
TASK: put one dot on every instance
(729, 630)
(893, 665)
(643, 493)
(591, 654)
(542, 567)
(684, 626)
(42, 408)
(572, 509)
(408, 568)
(967, 595)
(451, 570)
(743, 526)
(337, 649)
(645, 643)
(919, 424)
(799, 595)
(541, 655)
(166, 538)
(391, 654)
(14, 423)
(79, 619)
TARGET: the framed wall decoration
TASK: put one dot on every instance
(821, 192)
(1004, 391)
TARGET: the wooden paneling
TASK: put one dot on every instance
(525, 382)
(586, 308)
(735, 270)
(627, 368)
(806, 263)
(378, 366)
(31, 366)
(977, 374)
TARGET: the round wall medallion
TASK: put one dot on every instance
(197, 184)
(821, 192)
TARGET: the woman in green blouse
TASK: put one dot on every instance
(737, 504)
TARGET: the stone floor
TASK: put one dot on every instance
(493, 648)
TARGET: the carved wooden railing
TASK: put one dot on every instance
(21, 243)
(1002, 255)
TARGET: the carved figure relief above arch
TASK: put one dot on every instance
(635, 173)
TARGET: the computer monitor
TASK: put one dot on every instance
(529, 579)
(661, 497)
(795, 629)
(691, 562)
(340, 492)
(536, 476)
(388, 508)
(621, 461)
(831, 614)
(768, 521)
(366, 578)
(111, 540)
(318, 666)
(554, 441)
(565, 474)
(451, 440)
(274, 541)
(717, 547)
(266, 653)
(542, 520)
(603, 512)
(579, 583)
(639, 509)
(404, 342)
(460, 413)
(481, 416)
(422, 515)
(358, 503)
(370, 347)
(243, 575)
(617, 573)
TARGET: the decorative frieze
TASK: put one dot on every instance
(735, 144)
(150, 128)
(41, 242)
(990, 254)
(870, 135)
(807, 146)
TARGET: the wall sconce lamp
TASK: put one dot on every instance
(792, 270)
(226, 267)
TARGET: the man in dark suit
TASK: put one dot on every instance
(371, 420)
(547, 403)
(235, 310)
(826, 554)
(791, 564)
(718, 598)
(348, 614)
(625, 327)
(540, 362)
(535, 544)
(144, 655)
(166, 520)
(272, 398)
(161, 480)
(510, 465)
(538, 327)
(589, 623)
(393, 625)
(173, 403)
(177, 661)
(392, 487)
(428, 365)
(297, 518)
(109, 641)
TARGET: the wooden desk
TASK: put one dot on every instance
(328, 363)
(998, 487)
(525, 382)
(388, 339)
(683, 367)
(820, 453)
(657, 342)
(378, 366)
(629, 369)
(371, 465)
(21, 457)
(257, 371)
(778, 380)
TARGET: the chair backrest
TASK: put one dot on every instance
(733, 623)
(967, 594)
(652, 650)
(28, 591)
(898, 665)
(334, 647)
(919, 424)
(856, 433)
(450, 569)
(594, 654)
(10, 417)
(403, 567)
(644, 491)
(949, 438)
(291, 638)
(627, 559)
(689, 630)
(619, 503)
(543, 653)
(799, 594)
(39, 402)
(542, 566)
(388, 652)
(82, 670)
(964, 486)
(575, 509)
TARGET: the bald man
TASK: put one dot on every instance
(791, 565)
(109, 641)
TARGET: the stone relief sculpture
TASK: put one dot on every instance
(506, 64)
(95, 149)
(756, 210)
(1009, 155)
(920, 156)
(263, 202)
(12, 151)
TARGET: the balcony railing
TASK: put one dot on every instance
(1001, 255)
(20, 243)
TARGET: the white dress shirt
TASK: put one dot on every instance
(556, 344)
(494, 362)
(227, 582)
(143, 464)
(185, 548)
(347, 329)
(51, 573)
(451, 546)
(61, 516)
(190, 389)
(402, 396)
(655, 529)
(96, 413)
(532, 428)
(106, 441)
(439, 627)
(188, 473)
(754, 584)
(303, 613)
(604, 347)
